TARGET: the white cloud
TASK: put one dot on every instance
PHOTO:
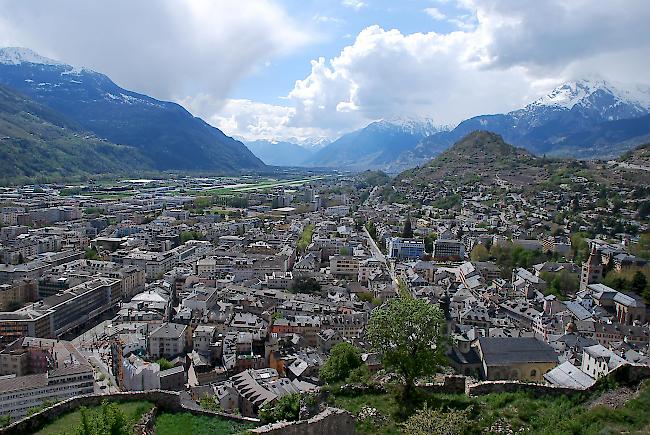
(354, 4)
(252, 120)
(435, 13)
(505, 54)
(166, 48)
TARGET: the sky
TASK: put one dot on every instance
(304, 70)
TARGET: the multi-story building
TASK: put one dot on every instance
(448, 250)
(401, 249)
(344, 266)
(168, 340)
(56, 371)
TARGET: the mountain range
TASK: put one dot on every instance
(163, 134)
(281, 153)
(583, 119)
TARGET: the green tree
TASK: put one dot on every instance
(343, 358)
(639, 282)
(110, 420)
(428, 242)
(305, 285)
(190, 235)
(408, 229)
(164, 364)
(409, 334)
(285, 408)
(91, 254)
(479, 253)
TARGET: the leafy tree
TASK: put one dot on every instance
(305, 285)
(360, 375)
(639, 282)
(190, 235)
(428, 421)
(343, 358)
(372, 230)
(409, 334)
(110, 420)
(408, 229)
(210, 403)
(305, 237)
(479, 253)
(5, 420)
(285, 408)
(164, 364)
(91, 254)
(428, 241)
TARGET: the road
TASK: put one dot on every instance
(376, 252)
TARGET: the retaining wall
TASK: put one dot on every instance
(169, 401)
(328, 422)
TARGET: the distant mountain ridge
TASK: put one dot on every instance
(588, 118)
(166, 134)
(376, 145)
(280, 153)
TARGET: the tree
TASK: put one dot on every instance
(409, 334)
(408, 229)
(305, 285)
(343, 358)
(428, 241)
(639, 282)
(428, 421)
(479, 253)
(110, 420)
(91, 254)
(164, 364)
(285, 408)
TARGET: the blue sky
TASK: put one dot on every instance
(336, 26)
(306, 70)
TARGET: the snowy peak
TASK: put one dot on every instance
(19, 55)
(588, 92)
(419, 126)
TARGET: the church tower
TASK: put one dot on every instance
(592, 269)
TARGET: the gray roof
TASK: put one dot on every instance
(514, 350)
(568, 375)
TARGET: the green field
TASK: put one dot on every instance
(69, 422)
(185, 424)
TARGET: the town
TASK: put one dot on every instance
(236, 292)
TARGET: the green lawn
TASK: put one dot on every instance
(186, 424)
(69, 422)
(518, 411)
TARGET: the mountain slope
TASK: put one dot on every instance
(374, 146)
(280, 153)
(164, 132)
(480, 154)
(35, 141)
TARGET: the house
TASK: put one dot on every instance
(520, 358)
(598, 361)
(168, 340)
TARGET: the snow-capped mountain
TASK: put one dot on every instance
(587, 118)
(584, 93)
(163, 131)
(376, 145)
(19, 55)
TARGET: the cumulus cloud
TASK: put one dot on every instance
(166, 48)
(505, 54)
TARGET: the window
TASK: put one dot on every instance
(533, 373)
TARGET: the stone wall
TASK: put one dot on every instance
(330, 421)
(169, 401)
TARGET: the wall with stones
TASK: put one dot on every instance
(330, 421)
(169, 401)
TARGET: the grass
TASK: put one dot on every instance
(67, 423)
(185, 424)
(306, 237)
(519, 411)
